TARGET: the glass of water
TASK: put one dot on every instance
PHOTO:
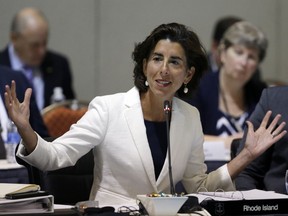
(286, 181)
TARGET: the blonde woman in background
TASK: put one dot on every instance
(227, 98)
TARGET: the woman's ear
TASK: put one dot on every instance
(190, 73)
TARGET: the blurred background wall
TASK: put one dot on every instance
(98, 36)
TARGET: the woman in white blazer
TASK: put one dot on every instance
(127, 131)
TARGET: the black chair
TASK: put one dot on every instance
(68, 185)
(213, 165)
(234, 147)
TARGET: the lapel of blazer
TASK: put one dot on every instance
(47, 67)
(135, 121)
(4, 57)
(176, 143)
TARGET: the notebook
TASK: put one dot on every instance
(8, 188)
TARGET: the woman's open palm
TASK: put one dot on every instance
(18, 112)
(265, 136)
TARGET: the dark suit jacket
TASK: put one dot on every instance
(6, 76)
(55, 70)
(268, 171)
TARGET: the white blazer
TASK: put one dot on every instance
(114, 127)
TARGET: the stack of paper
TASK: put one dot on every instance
(38, 204)
(44, 204)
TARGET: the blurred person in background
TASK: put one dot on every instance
(35, 119)
(28, 52)
(219, 29)
(267, 172)
(226, 98)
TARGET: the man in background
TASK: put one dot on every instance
(6, 76)
(267, 172)
(27, 52)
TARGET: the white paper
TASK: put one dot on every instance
(216, 151)
(4, 165)
(254, 194)
(27, 205)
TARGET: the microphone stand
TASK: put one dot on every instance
(167, 110)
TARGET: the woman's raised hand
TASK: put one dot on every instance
(18, 112)
(265, 136)
(257, 142)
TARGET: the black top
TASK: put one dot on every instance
(157, 138)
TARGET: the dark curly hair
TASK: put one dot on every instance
(194, 51)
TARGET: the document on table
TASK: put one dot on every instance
(27, 205)
(251, 202)
(254, 194)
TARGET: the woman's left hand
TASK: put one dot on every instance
(265, 136)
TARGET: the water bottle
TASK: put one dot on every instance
(13, 138)
(74, 105)
(58, 95)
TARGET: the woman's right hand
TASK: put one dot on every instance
(19, 113)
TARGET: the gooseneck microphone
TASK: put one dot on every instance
(167, 111)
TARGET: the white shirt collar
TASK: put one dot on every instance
(16, 62)
(38, 82)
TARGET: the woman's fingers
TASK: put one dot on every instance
(278, 133)
(13, 90)
(275, 129)
(265, 120)
(274, 123)
(7, 95)
(27, 96)
(250, 126)
(10, 93)
(272, 128)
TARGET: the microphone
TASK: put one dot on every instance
(167, 111)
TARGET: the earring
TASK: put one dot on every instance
(146, 83)
(185, 89)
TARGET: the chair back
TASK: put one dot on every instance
(234, 147)
(68, 185)
(59, 117)
(71, 184)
